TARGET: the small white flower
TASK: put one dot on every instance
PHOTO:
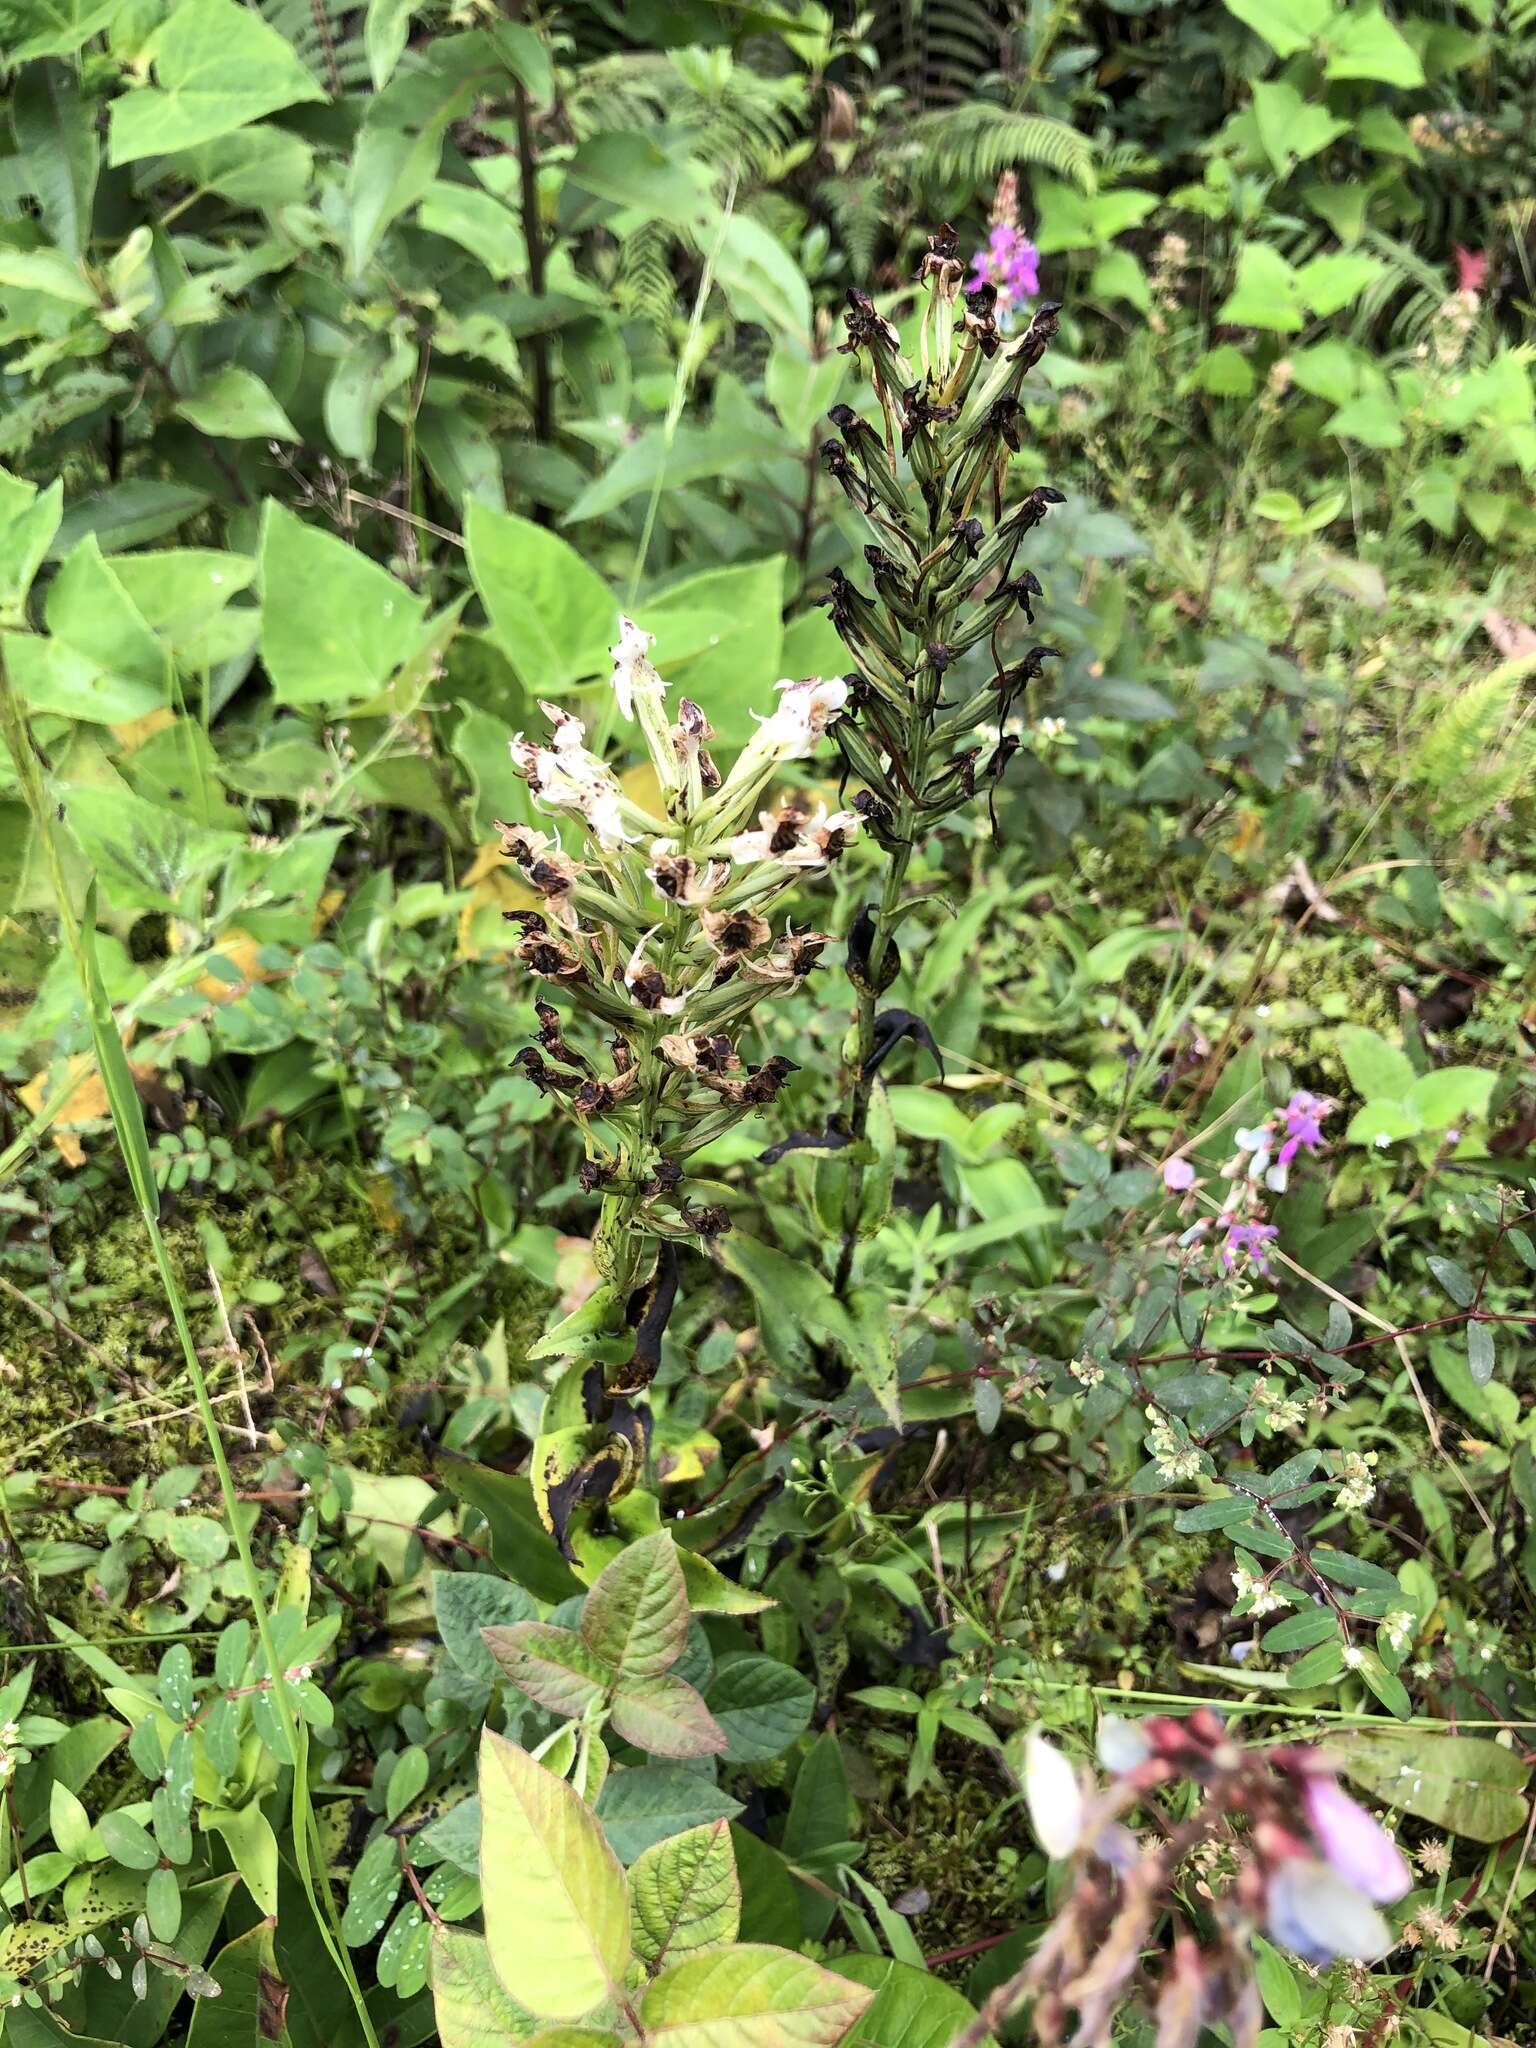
(805, 711)
(1053, 1795)
(632, 670)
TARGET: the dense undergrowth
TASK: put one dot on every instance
(655, 1382)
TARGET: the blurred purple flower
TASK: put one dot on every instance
(1249, 1238)
(1178, 1174)
(1303, 1115)
(1011, 262)
(1318, 1915)
(1355, 1843)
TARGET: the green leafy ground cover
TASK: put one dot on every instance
(389, 1448)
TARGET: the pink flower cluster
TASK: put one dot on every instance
(1261, 1161)
(1011, 262)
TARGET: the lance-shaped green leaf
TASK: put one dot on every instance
(553, 1666)
(685, 1895)
(664, 1716)
(636, 1615)
(556, 1910)
(750, 1997)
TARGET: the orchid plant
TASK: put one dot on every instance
(659, 925)
(936, 709)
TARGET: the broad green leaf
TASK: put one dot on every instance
(258, 167)
(636, 1615)
(48, 271)
(1362, 43)
(720, 639)
(762, 280)
(1456, 1782)
(1451, 1095)
(911, 2008)
(234, 405)
(1376, 1069)
(633, 171)
(339, 625)
(691, 455)
(750, 1997)
(795, 1302)
(127, 1841)
(145, 856)
(518, 1542)
(218, 66)
(29, 519)
(1290, 128)
(252, 1845)
(553, 1666)
(467, 1602)
(1331, 282)
(665, 1716)
(556, 1910)
(1267, 292)
(761, 1705)
(872, 1352)
(126, 515)
(487, 228)
(59, 27)
(641, 1807)
(1481, 1355)
(471, 2006)
(101, 661)
(1454, 1278)
(551, 614)
(685, 1895)
(386, 27)
(252, 1998)
(1286, 25)
(56, 133)
(800, 387)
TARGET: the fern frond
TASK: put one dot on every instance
(972, 145)
(327, 38)
(936, 50)
(1479, 750)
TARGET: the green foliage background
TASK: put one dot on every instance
(360, 365)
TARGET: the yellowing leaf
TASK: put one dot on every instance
(493, 885)
(750, 1996)
(685, 1895)
(133, 732)
(556, 1911)
(86, 1102)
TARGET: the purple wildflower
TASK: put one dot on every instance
(1178, 1174)
(1011, 262)
(1303, 1115)
(1250, 1238)
(1354, 1841)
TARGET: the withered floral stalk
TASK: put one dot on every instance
(929, 478)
